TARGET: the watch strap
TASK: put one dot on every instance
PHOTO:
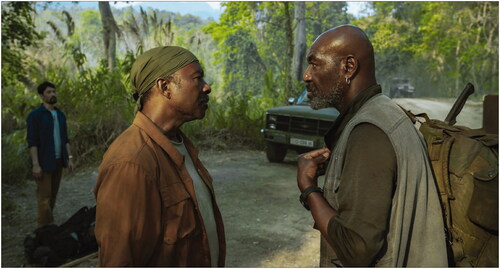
(306, 192)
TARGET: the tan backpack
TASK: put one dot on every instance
(465, 164)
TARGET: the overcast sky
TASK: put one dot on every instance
(355, 8)
(202, 9)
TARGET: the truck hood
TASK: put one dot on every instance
(329, 114)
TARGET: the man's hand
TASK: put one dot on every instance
(37, 172)
(71, 166)
(307, 166)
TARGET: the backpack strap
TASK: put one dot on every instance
(439, 143)
(414, 117)
(439, 146)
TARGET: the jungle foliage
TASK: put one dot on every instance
(246, 54)
(440, 46)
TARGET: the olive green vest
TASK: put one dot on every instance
(416, 236)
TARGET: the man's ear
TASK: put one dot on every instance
(351, 65)
(162, 83)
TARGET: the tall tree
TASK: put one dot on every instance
(87, 26)
(18, 33)
(71, 43)
(289, 48)
(323, 15)
(150, 31)
(110, 32)
(238, 49)
(299, 50)
(270, 25)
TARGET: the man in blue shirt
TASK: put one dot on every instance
(50, 151)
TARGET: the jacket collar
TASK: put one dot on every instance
(338, 126)
(153, 131)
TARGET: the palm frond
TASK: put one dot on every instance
(145, 21)
(57, 32)
(70, 23)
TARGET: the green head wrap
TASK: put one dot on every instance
(157, 63)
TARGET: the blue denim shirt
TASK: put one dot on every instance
(40, 127)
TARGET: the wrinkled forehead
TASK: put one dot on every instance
(325, 46)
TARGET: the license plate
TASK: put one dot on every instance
(301, 142)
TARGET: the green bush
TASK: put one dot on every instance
(16, 160)
(227, 124)
(97, 105)
(8, 205)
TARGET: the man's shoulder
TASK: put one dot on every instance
(35, 114)
(131, 146)
(36, 110)
(380, 110)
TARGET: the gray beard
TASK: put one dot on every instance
(331, 99)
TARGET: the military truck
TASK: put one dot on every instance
(401, 87)
(296, 127)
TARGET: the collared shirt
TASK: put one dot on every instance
(40, 134)
(147, 212)
(366, 189)
(338, 126)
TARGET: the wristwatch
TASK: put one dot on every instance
(306, 192)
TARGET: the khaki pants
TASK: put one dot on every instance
(46, 194)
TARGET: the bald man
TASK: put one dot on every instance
(155, 199)
(379, 205)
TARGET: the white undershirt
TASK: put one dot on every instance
(204, 198)
(57, 135)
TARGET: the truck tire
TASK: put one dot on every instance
(275, 152)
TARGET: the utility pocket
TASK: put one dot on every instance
(173, 194)
(483, 208)
(179, 213)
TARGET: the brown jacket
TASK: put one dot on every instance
(147, 212)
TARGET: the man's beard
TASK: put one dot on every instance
(330, 99)
(52, 100)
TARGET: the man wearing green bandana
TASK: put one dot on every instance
(155, 199)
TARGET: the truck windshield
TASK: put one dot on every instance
(302, 99)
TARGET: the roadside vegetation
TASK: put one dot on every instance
(253, 56)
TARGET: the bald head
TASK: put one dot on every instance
(341, 65)
(347, 40)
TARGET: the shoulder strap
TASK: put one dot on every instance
(414, 117)
(439, 144)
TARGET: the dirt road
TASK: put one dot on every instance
(265, 224)
(471, 115)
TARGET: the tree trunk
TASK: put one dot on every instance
(289, 49)
(110, 31)
(317, 29)
(299, 50)
(458, 63)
